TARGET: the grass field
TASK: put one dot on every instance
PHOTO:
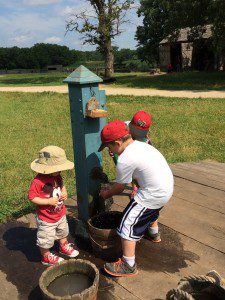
(174, 81)
(182, 129)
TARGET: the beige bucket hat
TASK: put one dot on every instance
(51, 159)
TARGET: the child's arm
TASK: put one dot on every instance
(116, 189)
(45, 201)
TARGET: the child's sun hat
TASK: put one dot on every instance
(51, 159)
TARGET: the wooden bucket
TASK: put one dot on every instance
(102, 232)
(67, 267)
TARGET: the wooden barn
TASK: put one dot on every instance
(184, 55)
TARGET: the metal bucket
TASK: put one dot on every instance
(77, 266)
(102, 232)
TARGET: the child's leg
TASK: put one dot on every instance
(63, 241)
(154, 228)
(62, 231)
(153, 232)
(44, 252)
(134, 223)
(128, 248)
(45, 240)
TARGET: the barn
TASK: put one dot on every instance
(185, 55)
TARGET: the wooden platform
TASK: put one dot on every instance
(193, 231)
(198, 203)
(192, 225)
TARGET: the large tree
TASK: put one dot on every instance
(101, 26)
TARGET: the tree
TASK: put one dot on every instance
(219, 29)
(124, 54)
(101, 27)
(155, 15)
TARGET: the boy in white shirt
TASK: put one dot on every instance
(145, 164)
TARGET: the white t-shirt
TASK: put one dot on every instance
(145, 164)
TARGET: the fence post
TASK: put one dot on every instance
(88, 116)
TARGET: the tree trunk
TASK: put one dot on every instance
(109, 61)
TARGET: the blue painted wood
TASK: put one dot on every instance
(82, 76)
(86, 135)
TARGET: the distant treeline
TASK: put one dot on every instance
(41, 55)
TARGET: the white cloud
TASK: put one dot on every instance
(53, 40)
(25, 25)
(68, 10)
(39, 2)
(20, 40)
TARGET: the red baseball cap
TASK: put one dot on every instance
(113, 131)
(141, 120)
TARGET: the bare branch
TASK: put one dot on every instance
(99, 29)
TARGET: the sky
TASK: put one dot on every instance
(24, 23)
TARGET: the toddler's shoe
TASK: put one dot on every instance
(51, 259)
(68, 250)
(120, 268)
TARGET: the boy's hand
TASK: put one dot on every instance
(115, 189)
(104, 193)
(53, 201)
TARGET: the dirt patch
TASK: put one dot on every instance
(121, 91)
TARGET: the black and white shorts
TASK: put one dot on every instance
(135, 221)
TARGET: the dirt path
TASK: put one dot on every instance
(122, 91)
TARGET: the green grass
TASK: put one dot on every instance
(182, 129)
(53, 78)
(174, 81)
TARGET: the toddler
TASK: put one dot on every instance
(48, 193)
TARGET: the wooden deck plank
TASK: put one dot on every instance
(211, 174)
(214, 165)
(201, 189)
(201, 167)
(200, 223)
(196, 177)
(200, 199)
(199, 172)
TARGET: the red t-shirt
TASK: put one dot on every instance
(46, 186)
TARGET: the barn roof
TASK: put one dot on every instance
(183, 34)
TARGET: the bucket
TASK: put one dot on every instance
(102, 232)
(65, 271)
(199, 287)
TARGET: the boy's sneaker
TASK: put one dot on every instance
(155, 238)
(51, 259)
(120, 268)
(68, 250)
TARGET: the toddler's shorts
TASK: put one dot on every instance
(47, 232)
(136, 220)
